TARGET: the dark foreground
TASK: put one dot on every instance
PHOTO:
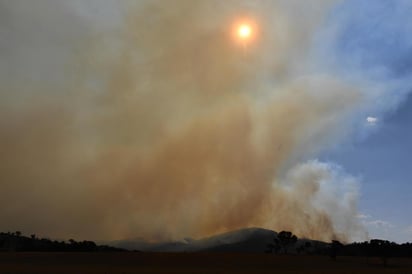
(129, 262)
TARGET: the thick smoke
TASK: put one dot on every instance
(123, 119)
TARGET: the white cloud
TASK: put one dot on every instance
(377, 228)
(372, 120)
(363, 216)
(381, 229)
(368, 221)
(379, 224)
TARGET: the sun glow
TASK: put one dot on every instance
(244, 31)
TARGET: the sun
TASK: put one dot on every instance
(244, 31)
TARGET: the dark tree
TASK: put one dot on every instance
(382, 249)
(334, 249)
(304, 248)
(274, 247)
(286, 239)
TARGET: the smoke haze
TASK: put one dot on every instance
(124, 119)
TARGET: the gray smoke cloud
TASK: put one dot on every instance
(125, 119)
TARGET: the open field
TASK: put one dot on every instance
(192, 263)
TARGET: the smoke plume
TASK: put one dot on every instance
(122, 119)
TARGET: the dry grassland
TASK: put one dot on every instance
(102, 263)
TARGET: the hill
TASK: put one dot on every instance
(242, 240)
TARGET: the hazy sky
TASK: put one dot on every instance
(152, 119)
(383, 161)
(378, 35)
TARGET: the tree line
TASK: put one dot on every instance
(15, 241)
(286, 242)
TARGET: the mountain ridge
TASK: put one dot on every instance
(251, 239)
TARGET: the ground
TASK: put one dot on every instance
(135, 262)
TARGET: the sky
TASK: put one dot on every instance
(379, 35)
(382, 160)
(155, 119)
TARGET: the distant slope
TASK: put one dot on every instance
(242, 240)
